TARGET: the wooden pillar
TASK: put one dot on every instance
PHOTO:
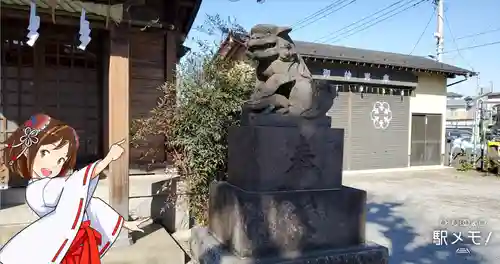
(171, 12)
(170, 67)
(118, 121)
(171, 42)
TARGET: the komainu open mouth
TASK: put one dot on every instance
(253, 48)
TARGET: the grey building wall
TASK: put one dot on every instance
(340, 115)
(366, 145)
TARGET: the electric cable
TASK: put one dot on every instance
(479, 34)
(359, 21)
(319, 12)
(455, 42)
(325, 15)
(341, 37)
(473, 47)
(423, 32)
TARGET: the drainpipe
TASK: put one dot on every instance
(457, 82)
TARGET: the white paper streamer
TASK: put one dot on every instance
(33, 26)
(84, 31)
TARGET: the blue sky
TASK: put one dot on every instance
(397, 34)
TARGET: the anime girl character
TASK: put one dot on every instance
(74, 227)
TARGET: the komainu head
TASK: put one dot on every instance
(270, 42)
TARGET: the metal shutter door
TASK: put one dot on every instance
(373, 148)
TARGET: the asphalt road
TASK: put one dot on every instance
(406, 208)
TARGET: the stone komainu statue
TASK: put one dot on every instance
(284, 83)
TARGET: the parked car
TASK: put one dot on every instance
(451, 135)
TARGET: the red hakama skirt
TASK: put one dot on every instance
(85, 246)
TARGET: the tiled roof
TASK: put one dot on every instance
(376, 57)
(115, 12)
(459, 103)
(453, 95)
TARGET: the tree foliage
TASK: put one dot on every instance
(195, 113)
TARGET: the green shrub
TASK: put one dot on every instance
(194, 116)
(465, 165)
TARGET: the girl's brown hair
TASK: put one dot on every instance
(22, 146)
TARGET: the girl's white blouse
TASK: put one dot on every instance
(42, 195)
(62, 203)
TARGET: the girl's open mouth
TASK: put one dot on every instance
(46, 172)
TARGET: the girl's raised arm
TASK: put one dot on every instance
(115, 152)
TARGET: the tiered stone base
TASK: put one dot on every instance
(313, 226)
(208, 250)
(254, 224)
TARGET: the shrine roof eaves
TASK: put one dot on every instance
(341, 53)
(114, 12)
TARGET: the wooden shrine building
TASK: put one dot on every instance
(134, 48)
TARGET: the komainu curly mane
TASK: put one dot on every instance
(284, 83)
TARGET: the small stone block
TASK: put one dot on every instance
(206, 249)
(265, 158)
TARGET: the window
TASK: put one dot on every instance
(17, 53)
(64, 54)
(451, 112)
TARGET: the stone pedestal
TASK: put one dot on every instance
(270, 158)
(283, 201)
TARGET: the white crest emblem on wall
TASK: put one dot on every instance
(381, 115)
(347, 74)
(385, 78)
(326, 72)
(367, 76)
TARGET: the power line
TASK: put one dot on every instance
(479, 34)
(473, 47)
(359, 21)
(366, 24)
(423, 32)
(360, 29)
(325, 15)
(455, 42)
(319, 12)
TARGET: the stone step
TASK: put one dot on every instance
(182, 238)
(147, 199)
(15, 218)
(140, 186)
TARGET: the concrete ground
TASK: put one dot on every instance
(405, 208)
(154, 246)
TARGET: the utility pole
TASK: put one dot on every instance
(475, 134)
(481, 128)
(440, 30)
